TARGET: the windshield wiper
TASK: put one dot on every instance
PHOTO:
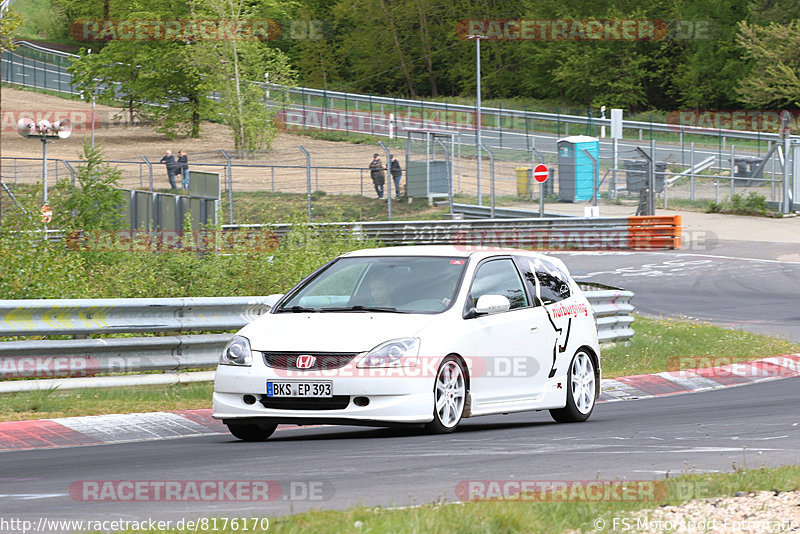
(297, 309)
(361, 309)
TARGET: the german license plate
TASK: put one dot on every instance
(299, 389)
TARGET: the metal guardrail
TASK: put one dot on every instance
(52, 359)
(612, 309)
(43, 317)
(585, 233)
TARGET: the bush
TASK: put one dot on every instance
(752, 204)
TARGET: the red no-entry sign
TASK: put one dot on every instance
(540, 173)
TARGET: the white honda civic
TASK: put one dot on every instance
(423, 335)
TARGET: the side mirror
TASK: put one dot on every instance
(490, 304)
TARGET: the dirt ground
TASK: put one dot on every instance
(338, 167)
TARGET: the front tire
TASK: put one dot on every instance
(251, 432)
(449, 396)
(581, 387)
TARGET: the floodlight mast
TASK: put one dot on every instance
(47, 133)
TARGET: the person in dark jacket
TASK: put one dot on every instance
(376, 171)
(183, 163)
(172, 167)
(397, 174)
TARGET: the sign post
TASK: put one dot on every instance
(540, 174)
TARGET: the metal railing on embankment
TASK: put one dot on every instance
(74, 363)
(576, 233)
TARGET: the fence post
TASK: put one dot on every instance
(491, 174)
(308, 179)
(230, 185)
(733, 169)
(691, 174)
(786, 201)
(525, 118)
(500, 122)
(150, 171)
(389, 179)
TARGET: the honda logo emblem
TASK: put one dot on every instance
(305, 361)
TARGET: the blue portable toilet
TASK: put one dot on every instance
(577, 172)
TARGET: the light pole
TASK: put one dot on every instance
(46, 132)
(478, 142)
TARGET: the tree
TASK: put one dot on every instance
(774, 51)
(232, 67)
(10, 20)
(94, 201)
(119, 72)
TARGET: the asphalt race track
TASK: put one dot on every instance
(338, 467)
(739, 285)
(344, 466)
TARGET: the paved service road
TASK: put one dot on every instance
(733, 284)
(344, 466)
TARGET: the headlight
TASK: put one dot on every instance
(395, 353)
(237, 352)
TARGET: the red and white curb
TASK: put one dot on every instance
(703, 379)
(118, 428)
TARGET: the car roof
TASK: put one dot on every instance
(458, 251)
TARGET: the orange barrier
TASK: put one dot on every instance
(654, 232)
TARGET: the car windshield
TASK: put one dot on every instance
(389, 284)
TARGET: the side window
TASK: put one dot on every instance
(553, 282)
(499, 277)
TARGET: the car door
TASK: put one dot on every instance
(507, 350)
(551, 287)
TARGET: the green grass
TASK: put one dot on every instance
(71, 403)
(256, 207)
(670, 344)
(521, 515)
(659, 345)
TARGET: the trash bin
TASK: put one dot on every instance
(636, 175)
(745, 167)
(524, 188)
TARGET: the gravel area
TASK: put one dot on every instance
(756, 512)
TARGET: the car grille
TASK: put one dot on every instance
(324, 360)
(337, 402)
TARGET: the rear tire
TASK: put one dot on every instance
(581, 387)
(449, 396)
(251, 432)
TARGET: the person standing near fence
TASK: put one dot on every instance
(376, 172)
(183, 162)
(172, 167)
(397, 174)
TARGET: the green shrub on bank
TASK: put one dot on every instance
(100, 265)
